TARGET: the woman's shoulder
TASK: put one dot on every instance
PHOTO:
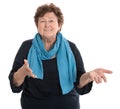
(25, 46)
(72, 45)
(28, 41)
(74, 48)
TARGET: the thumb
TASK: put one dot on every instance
(28, 68)
(26, 63)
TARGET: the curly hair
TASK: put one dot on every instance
(43, 9)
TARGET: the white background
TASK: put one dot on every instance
(94, 25)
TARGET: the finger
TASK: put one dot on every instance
(96, 79)
(104, 70)
(108, 71)
(32, 75)
(99, 79)
(104, 78)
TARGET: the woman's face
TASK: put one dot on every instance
(48, 26)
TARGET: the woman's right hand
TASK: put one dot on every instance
(22, 72)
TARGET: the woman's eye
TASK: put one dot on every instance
(42, 21)
(51, 21)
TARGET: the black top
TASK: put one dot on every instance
(46, 93)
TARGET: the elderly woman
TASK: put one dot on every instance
(48, 69)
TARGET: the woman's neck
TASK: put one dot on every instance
(48, 44)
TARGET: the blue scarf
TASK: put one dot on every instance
(65, 60)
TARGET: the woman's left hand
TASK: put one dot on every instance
(98, 75)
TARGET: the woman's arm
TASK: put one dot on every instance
(80, 71)
(18, 63)
(96, 75)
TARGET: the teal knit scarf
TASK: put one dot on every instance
(65, 60)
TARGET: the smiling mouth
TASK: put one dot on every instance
(47, 30)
